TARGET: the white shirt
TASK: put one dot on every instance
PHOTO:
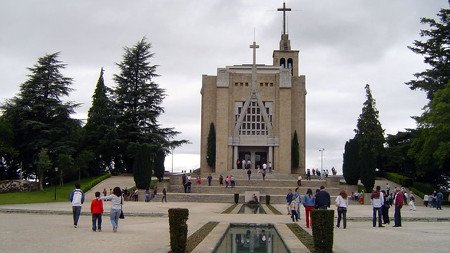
(341, 202)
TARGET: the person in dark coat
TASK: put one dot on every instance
(322, 199)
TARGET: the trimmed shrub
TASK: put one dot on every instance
(267, 199)
(236, 198)
(178, 229)
(86, 187)
(323, 230)
(399, 179)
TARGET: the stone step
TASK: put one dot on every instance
(221, 198)
(269, 182)
(279, 190)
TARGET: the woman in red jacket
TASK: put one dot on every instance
(96, 211)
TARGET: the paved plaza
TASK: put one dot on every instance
(48, 227)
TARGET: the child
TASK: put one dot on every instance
(293, 209)
(97, 210)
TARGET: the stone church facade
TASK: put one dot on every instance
(255, 110)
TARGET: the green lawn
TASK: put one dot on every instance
(47, 195)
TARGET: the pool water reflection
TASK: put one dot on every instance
(252, 209)
(258, 238)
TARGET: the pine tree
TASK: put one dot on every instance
(436, 52)
(211, 147)
(143, 164)
(9, 162)
(38, 116)
(350, 166)
(369, 135)
(100, 132)
(295, 152)
(159, 169)
(138, 102)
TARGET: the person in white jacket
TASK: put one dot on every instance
(77, 199)
(116, 207)
(342, 205)
(377, 199)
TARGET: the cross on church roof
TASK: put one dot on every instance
(254, 46)
(284, 9)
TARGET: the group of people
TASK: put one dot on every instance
(434, 200)
(320, 173)
(320, 200)
(247, 165)
(77, 198)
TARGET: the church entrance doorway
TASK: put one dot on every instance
(256, 155)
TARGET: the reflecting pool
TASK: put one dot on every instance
(257, 238)
(252, 209)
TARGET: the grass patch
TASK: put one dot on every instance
(197, 237)
(48, 194)
(302, 235)
(273, 209)
(229, 209)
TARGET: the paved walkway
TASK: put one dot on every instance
(110, 183)
(48, 228)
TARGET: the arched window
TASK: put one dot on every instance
(291, 65)
(283, 62)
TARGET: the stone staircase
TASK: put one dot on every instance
(276, 185)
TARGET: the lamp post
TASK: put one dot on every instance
(321, 159)
(172, 148)
(56, 177)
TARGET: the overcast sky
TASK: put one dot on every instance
(344, 44)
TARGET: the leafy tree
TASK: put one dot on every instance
(9, 163)
(350, 167)
(138, 101)
(211, 147)
(143, 164)
(43, 164)
(100, 132)
(82, 161)
(431, 147)
(39, 118)
(295, 152)
(395, 157)
(65, 165)
(369, 135)
(436, 52)
(159, 169)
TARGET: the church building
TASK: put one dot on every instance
(255, 110)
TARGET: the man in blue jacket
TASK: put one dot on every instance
(77, 199)
(322, 199)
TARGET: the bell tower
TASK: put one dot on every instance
(286, 57)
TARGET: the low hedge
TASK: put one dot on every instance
(322, 230)
(178, 229)
(399, 179)
(89, 185)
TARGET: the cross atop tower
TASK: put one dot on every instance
(254, 46)
(284, 9)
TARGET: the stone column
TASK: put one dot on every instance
(270, 158)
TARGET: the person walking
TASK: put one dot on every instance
(249, 173)
(116, 207)
(439, 199)
(209, 179)
(264, 174)
(220, 180)
(299, 180)
(289, 197)
(398, 204)
(322, 199)
(298, 201)
(342, 205)
(97, 211)
(308, 174)
(412, 201)
(293, 209)
(309, 203)
(164, 197)
(77, 200)
(377, 200)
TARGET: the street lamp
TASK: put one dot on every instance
(321, 159)
(56, 176)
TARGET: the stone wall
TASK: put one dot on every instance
(18, 186)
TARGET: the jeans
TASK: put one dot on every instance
(97, 219)
(374, 216)
(385, 212)
(342, 212)
(294, 215)
(397, 216)
(76, 214)
(308, 213)
(114, 216)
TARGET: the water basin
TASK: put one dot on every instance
(252, 209)
(250, 237)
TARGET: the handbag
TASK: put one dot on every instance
(121, 216)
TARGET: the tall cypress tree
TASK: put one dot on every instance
(350, 166)
(100, 131)
(159, 169)
(295, 152)
(38, 116)
(369, 135)
(211, 147)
